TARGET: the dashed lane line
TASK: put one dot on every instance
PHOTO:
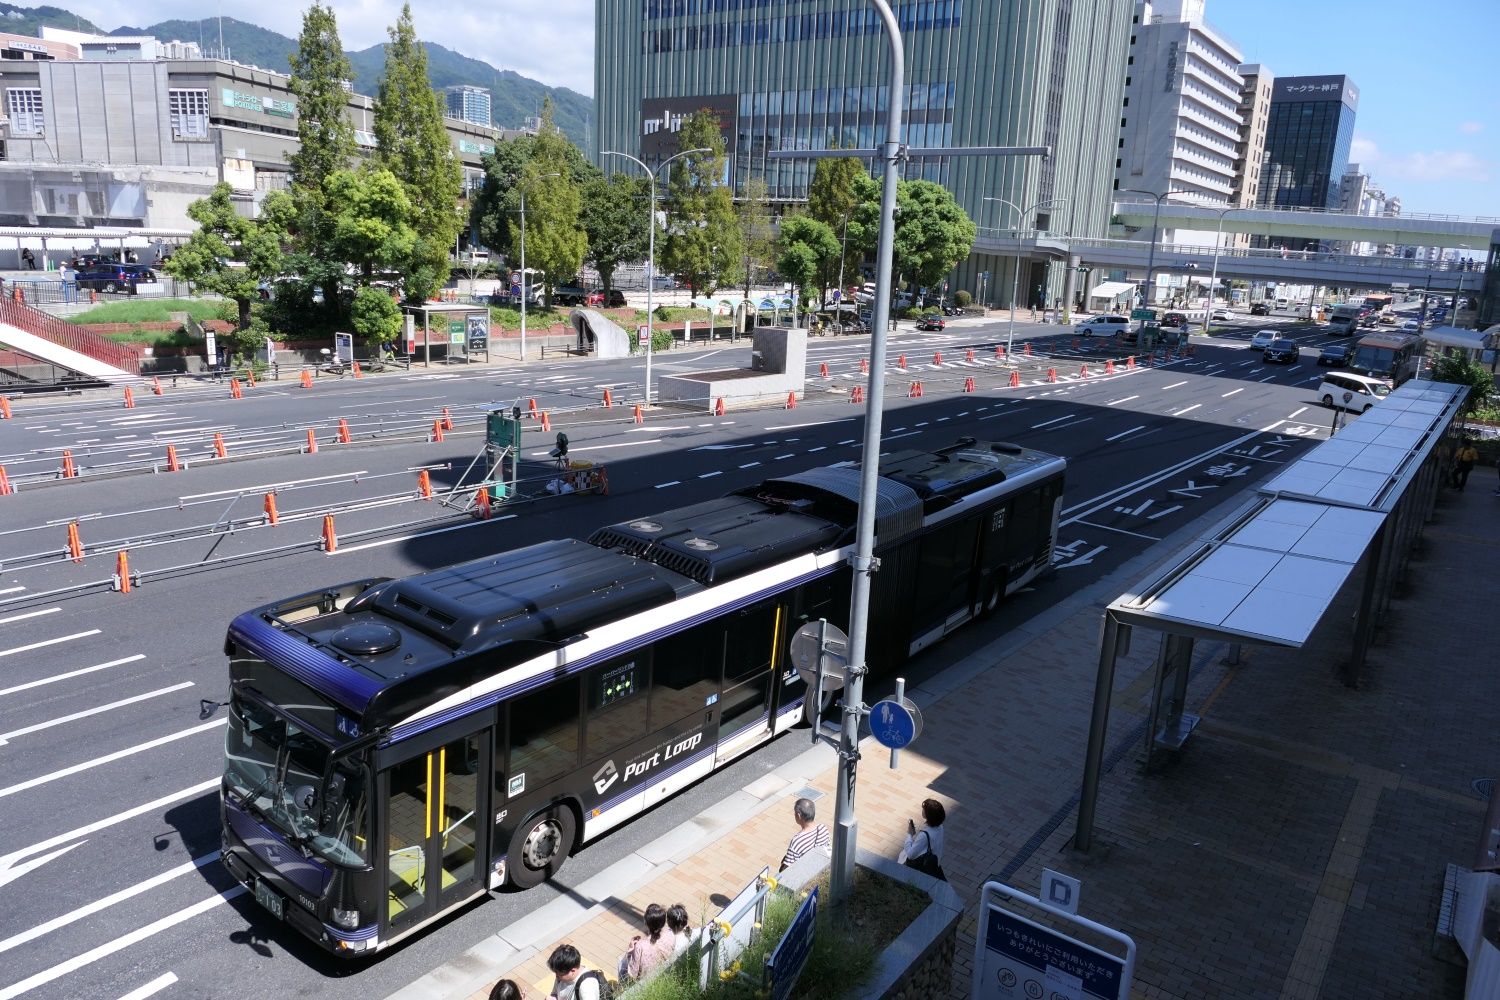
(109, 758)
(70, 674)
(49, 642)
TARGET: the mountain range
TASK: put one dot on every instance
(513, 97)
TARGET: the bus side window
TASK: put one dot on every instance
(685, 674)
(617, 706)
(543, 737)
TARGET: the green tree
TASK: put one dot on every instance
(369, 218)
(832, 196)
(803, 248)
(412, 143)
(497, 205)
(375, 315)
(1461, 371)
(614, 216)
(325, 141)
(702, 243)
(933, 233)
(757, 233)
(231, 255)
(555, 241)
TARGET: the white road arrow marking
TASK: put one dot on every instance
(10, 873)
(1084, 559)
(1191, 490)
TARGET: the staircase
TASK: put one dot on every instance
(68, 345)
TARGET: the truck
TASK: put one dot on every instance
(1345, 318)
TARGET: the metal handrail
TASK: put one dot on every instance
(69, 335)
(1308, 209)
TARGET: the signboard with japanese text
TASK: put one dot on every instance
(787, 961)
(1316, 88)
(1026, 961)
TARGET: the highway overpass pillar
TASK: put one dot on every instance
(1070, 281)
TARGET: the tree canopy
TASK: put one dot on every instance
(231, 255)
(757, 233)
(803, 247)
(702, 241)
(933, 233)
(369, 221)
(1461, 371)
(614, 216)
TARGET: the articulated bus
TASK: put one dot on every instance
(1389, 356)
(397, 747)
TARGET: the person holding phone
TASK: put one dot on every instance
(923, 848)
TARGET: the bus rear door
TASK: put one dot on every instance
(434, 789)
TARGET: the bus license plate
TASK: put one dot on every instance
(270, 899)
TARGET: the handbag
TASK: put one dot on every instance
(927, 862)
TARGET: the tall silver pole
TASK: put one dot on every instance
(1155, 231)
(1213, 281)
(846, 828)
(1015, 275)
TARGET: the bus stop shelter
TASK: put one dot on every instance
(1347, 512)
(461, 333)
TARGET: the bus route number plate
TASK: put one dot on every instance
(270, 899)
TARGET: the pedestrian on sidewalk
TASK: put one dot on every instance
(573, 981)
(506, 989)
(923, 849)
(1467, 456)
(810, 834)
(648, 952)
(677, 923)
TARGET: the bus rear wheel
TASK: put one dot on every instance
(539, 848)
(993, 591)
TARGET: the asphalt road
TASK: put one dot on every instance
(108, 800)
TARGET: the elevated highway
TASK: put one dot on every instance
(1295, 223)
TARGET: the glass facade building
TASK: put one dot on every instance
(813, 74)
(1308, 135)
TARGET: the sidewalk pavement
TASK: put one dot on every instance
(1295, 849)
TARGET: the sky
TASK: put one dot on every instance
(1427, 130)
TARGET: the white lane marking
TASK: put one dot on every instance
(29, 614)
(266, 487)
(156, 985)
(7, 860)
(1186, 409)
(602, 447)
(675, 482)
(1231, 392)
(1106, 527)
(420, 534)
(1125, 433)
(1247, 364)
(49, 642)
(105, 902)
(12, 590)
(28, 730)
(749, 465)
(821, 447)
(72, 673)
(710, 475)
(855, 440)
(892, 437)
(1268, 378)
(1115, 402)
(779, 458)
(109, 758)
(656, 430)
(1056, 420)
(119, 944)
(1175, 384)
(814, 423)
(1293, 415)
(1117, 493)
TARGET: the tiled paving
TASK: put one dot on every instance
(1294, 849)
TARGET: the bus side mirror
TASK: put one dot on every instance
(331, 800)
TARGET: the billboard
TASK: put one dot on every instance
(1316, 88)
(662, 118)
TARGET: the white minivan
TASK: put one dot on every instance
(1102, 326)
(1348, 391)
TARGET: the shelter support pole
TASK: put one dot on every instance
(1364, 626)
(1093, 761)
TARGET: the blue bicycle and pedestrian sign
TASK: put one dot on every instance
(895, 724)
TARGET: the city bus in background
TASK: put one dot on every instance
(1389, 356)
(1379, 305)
(396, 747)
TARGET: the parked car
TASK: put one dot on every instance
(113, 277)
(1102, 326)
(1410, 324)
(1335, 355)
(1364, 392)
(931, 321)
(595, 299)
(1282, 350)
(570, 295)
(1260, 309)
(90, 261)
(615, 299)
(1174, 319)
(1221, 314)
(664, 281)
(1262, 339)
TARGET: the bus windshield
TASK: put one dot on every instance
(1375, 360)
(275, 769)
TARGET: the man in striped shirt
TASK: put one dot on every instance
(809, 834)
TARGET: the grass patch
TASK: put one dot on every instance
(846, 945)
(153, 338)
(159, 311)
(509, 318)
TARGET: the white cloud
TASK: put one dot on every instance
(1471, 128)
(1436, 165)
(1364, 152)
(552, 42)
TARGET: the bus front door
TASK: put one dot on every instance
(435, 850)
(754, 648)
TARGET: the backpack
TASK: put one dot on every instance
(927, 862)
(606, 991)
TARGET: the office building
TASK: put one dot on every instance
(1180, 120)
(815, 76)
(22, 47)
(133, 142)
(1489, 298)
(1307, 141)
(1249, 152)
(115, 48)
(468, 104)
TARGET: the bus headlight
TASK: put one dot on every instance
(347, 919)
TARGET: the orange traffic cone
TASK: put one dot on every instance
(968, 385)
(75, 545)
(969, 355)
(155, 386)
(330, 538)
(1109, 367)
(531, 409)
(901, 362)
(1028, 350)
(1130, 361)
(424, 485)
(357, 372)
(546, 424)
(1051, 374)
(4, 408)
(172, 464)
(250, 377)
(864, 366)
(719, 407)
(129, 399)
(937, 358)
(791, 401)
(68, 470)
(483, 498)
(823, 370)
(608, 399)
(270, 506)
(343, 431)
(1015, 380)
(306, 379)
(999, 351)
(857, 394)
(5, 489)
(640, 417)
(1083, 371)
(122, 572)
(312, 443)
(219, 449)
(234, 389)
(447, 420)
(436, 437)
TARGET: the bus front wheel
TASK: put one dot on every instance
(539, 848)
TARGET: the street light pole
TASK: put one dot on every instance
(1149, 291)
(651, 248)
(1015, 272)
(1213, 282)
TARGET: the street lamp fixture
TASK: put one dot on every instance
(1146, 293)
(1213, 282)
(651, 246)
(1016, 270)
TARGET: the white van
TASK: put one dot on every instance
(1362, 392)
(1102, 326)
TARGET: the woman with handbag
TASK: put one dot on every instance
(923, 849)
